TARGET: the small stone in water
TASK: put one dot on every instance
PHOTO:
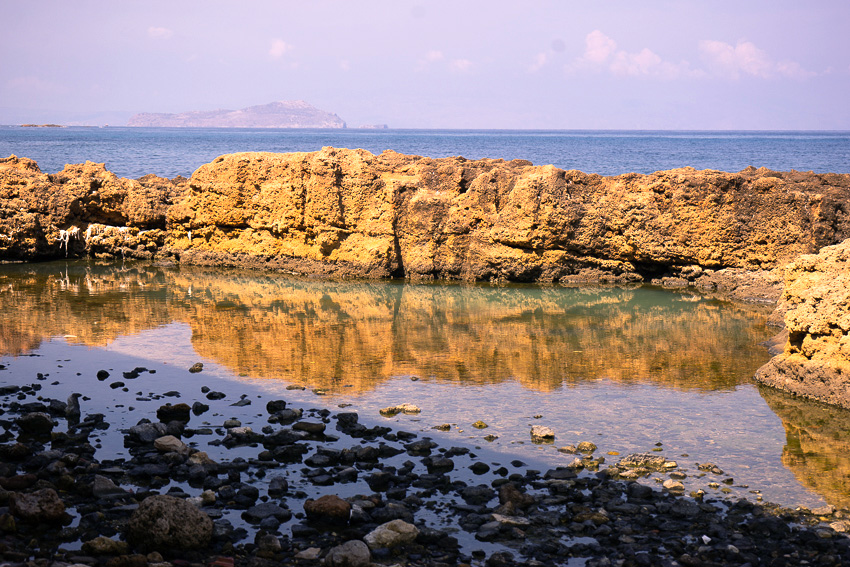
(479, 425)
(197, 367)
(442, 427)
(586, 447)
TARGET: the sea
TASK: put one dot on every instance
(631, 369)
(169, 152)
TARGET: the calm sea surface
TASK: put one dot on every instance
(167, 152)
(632, 369)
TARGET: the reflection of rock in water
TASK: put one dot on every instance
(86, 302)
(358, 334)
(817, 447)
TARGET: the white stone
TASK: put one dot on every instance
(391, 534)
(170, 444)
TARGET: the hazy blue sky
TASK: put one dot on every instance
(763, 64)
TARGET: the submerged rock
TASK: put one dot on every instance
(401, 408)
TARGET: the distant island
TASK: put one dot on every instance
(41, 126)
(281, 114)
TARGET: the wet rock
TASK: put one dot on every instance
(542, 433)
(177, 412)
(309, 554)
(278, 486)
(197, 367)
(329, 508)
(400, 408)
(35, 423)
(103, 487)
(480, 494)
(480, 425)
(216, 395)
(199, 408)
(510, 494)
(421, 447)
(170, 444)
(673, 485)
(260, 512)
(352, 553)
(274, 406)
(479, 468)
(284, 437)
(391, 534)
(165, 522)
(41, 506)
(102, 375)
(586, 447)
(286, 416)
(313, 428)
(105, 546)
(439, 465)
(646, 461)
(146, 433)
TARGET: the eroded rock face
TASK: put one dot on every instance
(83, 208)
(351, 213)
(815, 362)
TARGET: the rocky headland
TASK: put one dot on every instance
(280, 114)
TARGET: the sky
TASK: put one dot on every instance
(715, 65)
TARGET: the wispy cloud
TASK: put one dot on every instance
(539, 62)
(601, 54)
(437, 59)
(279, 48)
(160, 33)
(433, 56)
(745, 58)
(461, 65)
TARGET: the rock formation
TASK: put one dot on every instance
(816, 359)
(351, 213)
(346, 212)
(82, 209)
(281, 114)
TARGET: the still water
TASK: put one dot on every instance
(628, 368)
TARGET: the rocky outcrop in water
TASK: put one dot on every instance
(350, 213)
(815, 361)
(83, 209)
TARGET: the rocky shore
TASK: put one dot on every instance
(815, 357)
(350, 213)
(315, 487)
